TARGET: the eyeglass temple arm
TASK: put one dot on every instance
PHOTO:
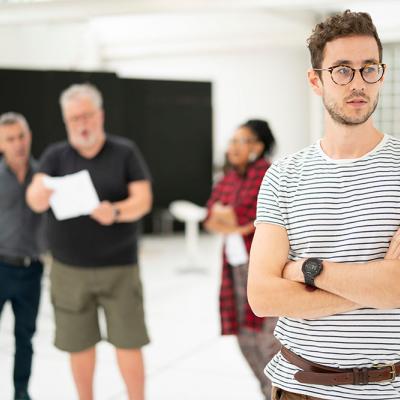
(323, 69)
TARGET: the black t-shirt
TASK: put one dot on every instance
(82, 241)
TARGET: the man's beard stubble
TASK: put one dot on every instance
(83, 142)
(338, 116)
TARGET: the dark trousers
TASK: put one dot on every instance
(21, 286)
(258, 348)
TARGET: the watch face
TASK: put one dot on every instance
(312, 267)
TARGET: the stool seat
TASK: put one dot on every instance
(184, 210)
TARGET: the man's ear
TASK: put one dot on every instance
(315, 82)
(383, 77)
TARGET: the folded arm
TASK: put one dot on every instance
(222, 219)
(373, 284)
(270, 294)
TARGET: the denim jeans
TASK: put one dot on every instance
(21, 286)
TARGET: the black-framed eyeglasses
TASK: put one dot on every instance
(343, 74)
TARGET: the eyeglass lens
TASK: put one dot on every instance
(371, 73)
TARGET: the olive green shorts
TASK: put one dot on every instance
(78, 293)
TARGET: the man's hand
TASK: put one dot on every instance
(393, 252)
(38, 195)
(104, 213)
(292, 271)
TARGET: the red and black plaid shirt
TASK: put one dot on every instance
(240, 192)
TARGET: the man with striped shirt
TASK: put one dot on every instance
(326, 255)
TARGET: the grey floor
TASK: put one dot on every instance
(187, 358)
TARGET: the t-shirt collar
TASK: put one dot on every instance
(352, 160)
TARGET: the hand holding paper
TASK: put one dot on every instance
(40, 192)
(74, 195)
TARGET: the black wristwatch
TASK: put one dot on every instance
(311, 268)
(117, 213)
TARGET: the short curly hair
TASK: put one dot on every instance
(336, 26)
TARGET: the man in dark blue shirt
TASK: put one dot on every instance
(20, 267)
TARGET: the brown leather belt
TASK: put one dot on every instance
(317, 374)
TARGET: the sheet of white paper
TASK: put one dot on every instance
(74, 195)
(235, 250)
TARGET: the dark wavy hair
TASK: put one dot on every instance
(336, 26)
(263, 133)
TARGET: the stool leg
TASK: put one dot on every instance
(192, 241)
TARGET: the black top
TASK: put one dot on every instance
(19, 225)
(82, 241)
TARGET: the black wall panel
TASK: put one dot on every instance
(172, 123)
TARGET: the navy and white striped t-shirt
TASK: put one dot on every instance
(344, 211)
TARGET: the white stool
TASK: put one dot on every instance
(191, 214)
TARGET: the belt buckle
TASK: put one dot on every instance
(27, 261)
(392, 371)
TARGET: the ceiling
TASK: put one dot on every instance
(137, 27)
(385, 12)
(34, 10)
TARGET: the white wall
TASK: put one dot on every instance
(253, 52)
(41, 46)
(259, 76)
